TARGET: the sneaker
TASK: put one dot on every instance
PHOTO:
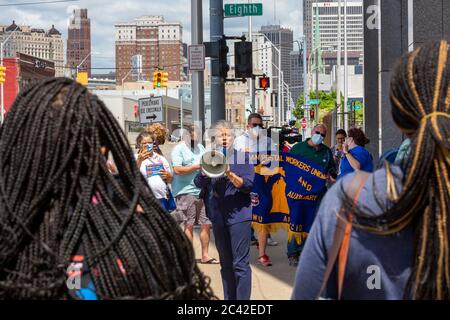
(265, 261)
(271, 242)
(293, 261)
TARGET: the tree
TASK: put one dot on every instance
(327, 103)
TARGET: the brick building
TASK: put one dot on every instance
(157, 41)
(79, 41)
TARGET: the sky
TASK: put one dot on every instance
(105, 13)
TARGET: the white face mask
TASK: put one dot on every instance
(255, 132)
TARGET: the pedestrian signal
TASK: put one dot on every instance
(264, 82)
(2, 74)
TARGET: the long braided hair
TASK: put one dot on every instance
(420, 96)
(51, 171)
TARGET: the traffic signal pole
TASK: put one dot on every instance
(217, 82)
(198, 90)
(2, 88)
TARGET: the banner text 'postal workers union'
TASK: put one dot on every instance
(287, 191)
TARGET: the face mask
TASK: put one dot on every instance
(317, 139)
(150, 147)
(255, 131)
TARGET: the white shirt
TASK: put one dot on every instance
(150, 169)
(244, 143)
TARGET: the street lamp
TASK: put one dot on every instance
(2, 98)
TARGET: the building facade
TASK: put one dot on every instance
(79, 42)
(401, 26)
(328, 24)
(47, 45)
(297, 79)
(283, 39)
(157, 41)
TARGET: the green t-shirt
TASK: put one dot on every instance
(322, 156)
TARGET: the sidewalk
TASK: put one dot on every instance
(268, 283)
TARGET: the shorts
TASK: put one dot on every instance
(192, 209)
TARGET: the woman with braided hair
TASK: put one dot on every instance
(391, 228)
(69, 228)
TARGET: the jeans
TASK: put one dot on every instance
(294, 249)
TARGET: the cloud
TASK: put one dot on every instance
(105, 13)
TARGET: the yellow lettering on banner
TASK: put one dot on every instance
(318, 174)
(296, 196)
(305, 184)
(299, 164)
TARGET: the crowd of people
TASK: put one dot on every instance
(77, 203)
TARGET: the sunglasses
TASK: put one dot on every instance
(254, 125)
(322, 134)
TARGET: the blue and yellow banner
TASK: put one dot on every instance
(287, 191)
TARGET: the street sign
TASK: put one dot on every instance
(355, 103)
(313, 102)
(243, 9)
(304, 123)
(196, 57)
(151, 110)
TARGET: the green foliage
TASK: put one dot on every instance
(327, 103)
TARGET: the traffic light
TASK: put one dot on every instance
(264, 83)
(83, 78)
(165, 79)
(2, 74)
(160, 79)
(243, 59)
(223, 58)
(157, 79)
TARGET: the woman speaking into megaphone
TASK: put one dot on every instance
(228, 206)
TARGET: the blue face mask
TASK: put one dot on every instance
(317, 139)
(150, 147)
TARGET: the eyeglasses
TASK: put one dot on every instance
(254, 125)
(322, 134)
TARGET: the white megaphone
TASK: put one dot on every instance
(214, 164)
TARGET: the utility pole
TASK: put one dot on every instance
(338, 68)
(198, 90)
(217, 83)
(317, 41)
(346, 111)
(251, 82)
(280, 83)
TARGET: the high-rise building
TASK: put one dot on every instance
(328, 24)
(282, 38)
(296, 86)
(79, 42)
(47, 45)
(157, 41)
